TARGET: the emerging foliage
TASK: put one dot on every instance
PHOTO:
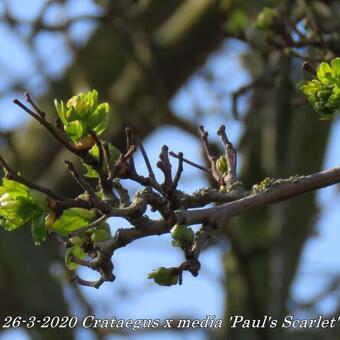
(324, 92)
(80, 223)
(81, 115)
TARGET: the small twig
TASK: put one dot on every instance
(6, 166)
(134, 141)
(173, 154)
(29, 100)
(94, 284)
(146, 158)
(129, 142)
(42, 120)
(124, 158)
(12, 175)
(179, 171)
(165, 166)
(97, 202)
(123, 193)
(133, 175)
(243, 90)
(212, 159)
(64, 240)
(81, 262)
(122, 167)
(109, 162)
(236, 96)
(230, 154)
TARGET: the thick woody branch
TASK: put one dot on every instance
(274, 194)
(218, 215)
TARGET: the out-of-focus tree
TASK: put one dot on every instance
(138, 56)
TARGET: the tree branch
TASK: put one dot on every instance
(218, 215)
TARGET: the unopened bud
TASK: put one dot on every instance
(182, 235)
(164, 276)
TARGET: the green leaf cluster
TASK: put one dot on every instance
(323, 93)
(83, 114)
(18, 205)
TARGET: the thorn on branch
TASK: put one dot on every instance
(200, 167)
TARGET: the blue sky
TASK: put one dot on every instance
(132, 295)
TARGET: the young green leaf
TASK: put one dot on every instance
(73, 219)
(114, 155)
(98, 120)
(83, 114)
(182, 235)
(39, 231)
(100, 235)
(74, 251)
(76, 129)
(18, 204)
